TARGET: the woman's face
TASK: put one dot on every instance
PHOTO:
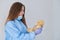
(22, 11)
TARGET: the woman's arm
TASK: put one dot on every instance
(13, 32)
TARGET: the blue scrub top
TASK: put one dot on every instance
(16, 30)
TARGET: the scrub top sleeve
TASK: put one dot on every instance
(13, 32)
(11, 29)
(27, 36)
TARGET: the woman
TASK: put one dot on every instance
(16, 27)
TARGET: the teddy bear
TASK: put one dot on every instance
(39, 24)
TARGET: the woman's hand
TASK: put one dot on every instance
(38, 25)
(38, 31)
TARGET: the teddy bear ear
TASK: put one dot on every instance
(40, 22)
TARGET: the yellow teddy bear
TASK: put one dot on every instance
(39, 24)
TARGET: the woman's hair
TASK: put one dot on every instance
(14, 12)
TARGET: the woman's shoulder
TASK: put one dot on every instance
(9, 23)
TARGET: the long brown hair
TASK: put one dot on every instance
(15, 10)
